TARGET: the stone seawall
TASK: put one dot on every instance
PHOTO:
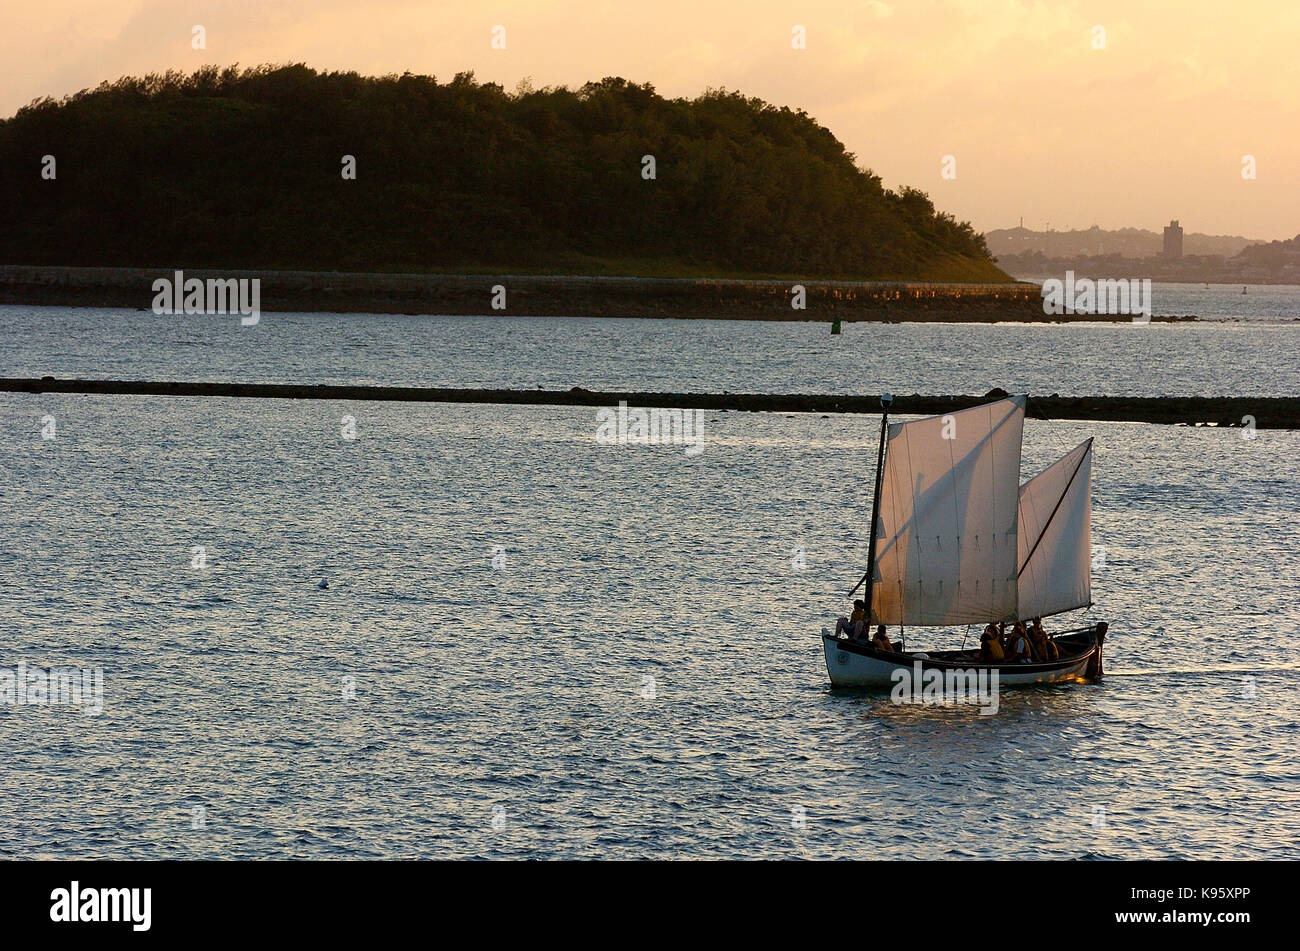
(1267, 412)
(534, 295)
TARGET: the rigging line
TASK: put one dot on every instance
(899, 561)
(993, 528)
(891, 546)
(1026, 501)
(1053, 431)
(870, 545)
(1047, 524)
(956, 509)
(875, 507)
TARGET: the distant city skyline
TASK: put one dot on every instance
(1047, 227)
(1119, 114)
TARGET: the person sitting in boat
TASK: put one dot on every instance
(854, 624)
(1017, 645)
(1037, 645)
(881, 640)
(1043, 647)
(991, 644)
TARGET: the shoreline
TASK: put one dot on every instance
(1269, 412)
(529, 295)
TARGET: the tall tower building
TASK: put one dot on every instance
(1173, 240)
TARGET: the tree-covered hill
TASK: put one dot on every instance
(242, 168)
(1275, 254)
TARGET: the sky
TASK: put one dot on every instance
(1118, 113)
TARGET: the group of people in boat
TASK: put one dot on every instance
(855, 626)
(1017, 643)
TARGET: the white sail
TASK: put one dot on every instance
(1056, 536)
(946, 531)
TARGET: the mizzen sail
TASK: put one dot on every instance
(1055, 534)
(946, 550)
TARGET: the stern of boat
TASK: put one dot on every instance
(1094, 665)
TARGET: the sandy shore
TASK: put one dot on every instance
(1267, 412)
(532, 295)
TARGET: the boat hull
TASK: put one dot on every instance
(856, 664)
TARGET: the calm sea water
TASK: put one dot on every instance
(640, 672)
(1256, 356)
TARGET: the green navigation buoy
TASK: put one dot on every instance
(835, 324)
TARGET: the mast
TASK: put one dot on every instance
(885, 400)
(869, 577)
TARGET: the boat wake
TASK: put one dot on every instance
(1184, 671)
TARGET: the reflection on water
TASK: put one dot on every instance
(642, 675)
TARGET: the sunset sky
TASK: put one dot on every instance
(1041, 124)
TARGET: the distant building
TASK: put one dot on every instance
(1173, 240)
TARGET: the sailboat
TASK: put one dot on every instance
(957, 540)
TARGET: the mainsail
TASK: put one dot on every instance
(946, 550)
(1056, 536)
